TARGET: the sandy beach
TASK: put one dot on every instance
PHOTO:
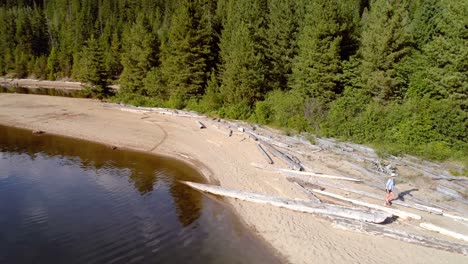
(225, 161)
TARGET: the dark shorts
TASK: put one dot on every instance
(388, 191)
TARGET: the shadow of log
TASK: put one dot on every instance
(401, 195)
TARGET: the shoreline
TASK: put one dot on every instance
(298, 237)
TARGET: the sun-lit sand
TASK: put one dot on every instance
(299, 237)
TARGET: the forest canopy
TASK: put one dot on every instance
(389, 73)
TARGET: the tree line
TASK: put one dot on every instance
(392, 73)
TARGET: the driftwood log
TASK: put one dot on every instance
(200, 124)
(419, 207)
(303, 173)
(456, 217)
(267, 139)
(444, 231)
(374, 216)
(265, 155)
(305, 183)
(382, 230)
(291, 163)
(395, 212)
(311, 196)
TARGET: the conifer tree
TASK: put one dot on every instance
(185, 55)
(317, 66)
(91, 69)
(281, 41)
(385, 42)
(139, 55)
(242, 73)
(439, 70)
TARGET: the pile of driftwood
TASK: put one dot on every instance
(363, 217)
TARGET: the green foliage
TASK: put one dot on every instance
(435, 129)
(317, 67)
(185, 55)
(90, 69)
(137, 100)
(240, 110)
(385, 42)
(139, 55)
(392, 74)
(212, 99)
(280, 38)
(283, 109)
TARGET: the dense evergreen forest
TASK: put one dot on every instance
(390, 73)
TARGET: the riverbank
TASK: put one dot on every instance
(224, 160)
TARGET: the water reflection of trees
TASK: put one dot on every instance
(43, 91)
(144, 168)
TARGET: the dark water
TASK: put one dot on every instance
(44, 91)
(70, 201)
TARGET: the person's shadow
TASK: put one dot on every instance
(401, 195)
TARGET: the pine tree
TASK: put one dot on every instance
(242, 73)
(385, 42)
(186, 53)
(139, 55)
(7, 39)
(91, 69)
(317, 67)
(281, 41)
(439, 70)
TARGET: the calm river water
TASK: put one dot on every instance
(68, 201)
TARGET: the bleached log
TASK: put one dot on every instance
(374, 216)
(269, 140)
(303, 173)
(399, 213)
(200, 124)
(448, 192)
(444, 231)
(265, 155)
(381, 197)
(252, 136)
(319, 175)
(291, 163)
(456, 217)
(311, 196)
(305, 183)
(382, 230)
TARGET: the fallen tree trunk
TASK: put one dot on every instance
(374, 216)
(381, 230)
(443, 231)
(399, 213)
(200, 124)
(311, 174)
(381, 197)
(291, 163)
(267, 139)
(456, 217)
(265, 155)
(311, 196)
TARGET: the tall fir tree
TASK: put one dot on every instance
(439, 70)
(385, 42)
(281, 41)
(139, 55)
(90, 69)
(317, 67)
(185, 55)
(242, 72)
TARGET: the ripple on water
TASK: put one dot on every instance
(75, 202)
